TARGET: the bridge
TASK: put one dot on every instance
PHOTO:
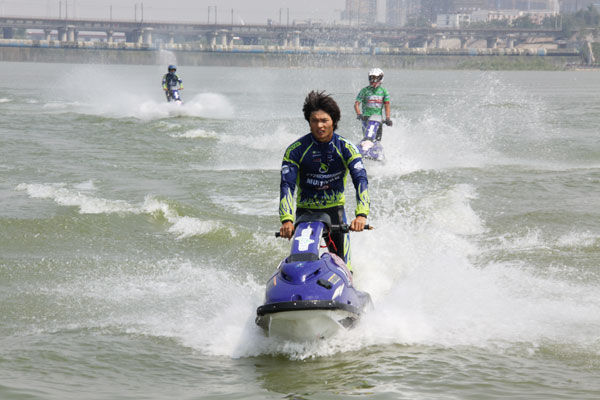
(151, 33)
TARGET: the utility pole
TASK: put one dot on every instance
(111, 12)
(135, 12)
(142, 20)
(288, 17)
(208, 18)
(215, 15)
(232, 16)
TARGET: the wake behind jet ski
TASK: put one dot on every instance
(311, 295)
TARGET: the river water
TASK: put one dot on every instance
(136, 236)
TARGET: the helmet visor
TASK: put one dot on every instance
(374, 78)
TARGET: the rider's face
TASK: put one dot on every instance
(321, 126)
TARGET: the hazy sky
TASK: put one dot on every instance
(247, 11)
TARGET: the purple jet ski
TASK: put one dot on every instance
(370, 146)
(311, 295)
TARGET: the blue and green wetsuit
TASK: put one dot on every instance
(319, 171)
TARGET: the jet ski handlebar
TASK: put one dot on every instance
(344, 228)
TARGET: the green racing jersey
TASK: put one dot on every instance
(372, 100)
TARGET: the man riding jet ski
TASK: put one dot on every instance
(373, 99)
(172, 84)
(318, 163)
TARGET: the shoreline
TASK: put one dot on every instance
(418, 58)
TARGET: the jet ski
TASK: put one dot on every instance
(370, 146)
(311, 295)
(173, 96)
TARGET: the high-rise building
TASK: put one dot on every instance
(468, 5)
(360, 12)
(396, 12)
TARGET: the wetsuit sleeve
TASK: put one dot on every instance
(180, 82)
(359, 178)
(164, 81)
(289, 175)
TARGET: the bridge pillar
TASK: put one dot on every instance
(492, 42)
(147, 36)
(283, 40)
(137, 36)
(62, 34)
(48, 34)
(463, 41)
(109, 36)
(510, 41)
(230, 37)
(438, 40)
(8, 33)
(296, 38)
(212, 39)
(223, 37)
(71, 33)
(427, 42)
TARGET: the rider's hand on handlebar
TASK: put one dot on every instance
(358, 224)
(388, 122)
(286, 230)
(359, 117)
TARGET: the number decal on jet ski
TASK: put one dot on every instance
(304, 239)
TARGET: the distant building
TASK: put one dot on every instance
(468, 5)
(360, 12)
(452, 20)
(572, 6)
(396, 12)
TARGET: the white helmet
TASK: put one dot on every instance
(375, 75)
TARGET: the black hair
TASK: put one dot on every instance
(316, 101)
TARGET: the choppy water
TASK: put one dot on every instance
(136, 236)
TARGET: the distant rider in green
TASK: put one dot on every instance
(316, 167)
(373, 99)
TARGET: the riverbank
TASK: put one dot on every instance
(418, 58)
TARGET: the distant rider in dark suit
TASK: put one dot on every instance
(171, 81)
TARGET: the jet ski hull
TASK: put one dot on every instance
(311, 294)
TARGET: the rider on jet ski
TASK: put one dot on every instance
(170, 81)
(373, 99)
(319, 163)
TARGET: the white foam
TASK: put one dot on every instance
(578, 239)
(66, 197)
(96, 91)
(182, 226)
(196, 134)
(4, 100)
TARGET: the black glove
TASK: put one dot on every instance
(359, 117)
(388, 122)
(364, 118)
